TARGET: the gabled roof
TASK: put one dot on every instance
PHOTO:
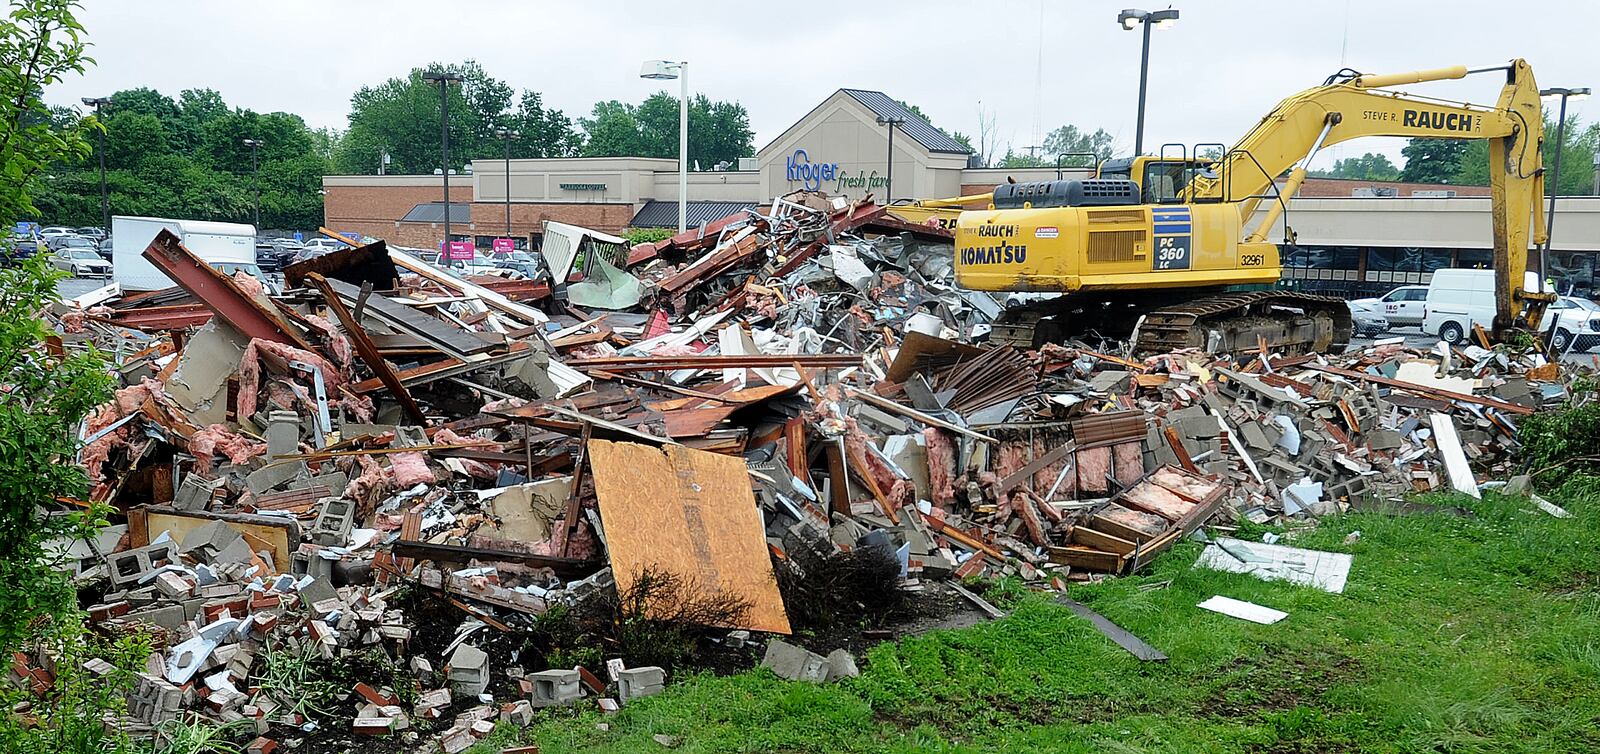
(915, 126)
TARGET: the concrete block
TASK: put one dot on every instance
(841, 664)
(794, 663)
(469, 670)
(332, 527)
(283, 433)
(1519, 485)
(518, 713)
(633, 683)
(555, 687)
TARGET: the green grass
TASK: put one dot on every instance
(1453, 635)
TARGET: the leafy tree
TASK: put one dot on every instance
(1432, 160)
(401, 117)
(1070, 138)
(719, 132)
(1371, 166)
(1577, 158)
(47, 393)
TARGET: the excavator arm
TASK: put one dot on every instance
(1352, 106)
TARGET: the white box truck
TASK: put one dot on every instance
(1459, 298)
(229, 247)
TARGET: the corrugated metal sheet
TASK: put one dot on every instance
(918, 128)
(658, 213)
(433, 212)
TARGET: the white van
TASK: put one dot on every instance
(229, 247)
(1458, 299)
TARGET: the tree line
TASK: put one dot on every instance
(186, 156)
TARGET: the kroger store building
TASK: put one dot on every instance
(1370, 235)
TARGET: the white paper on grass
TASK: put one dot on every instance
(1249, 611)
(1327, 571)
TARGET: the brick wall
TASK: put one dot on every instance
(376, 211)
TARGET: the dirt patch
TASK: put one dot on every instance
(1577, 584)
(1276, 682)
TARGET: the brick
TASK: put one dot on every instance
(384, 698)
(262, 745)
(372, 726)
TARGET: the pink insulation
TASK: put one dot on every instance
(410, 469)
(941, 467)
(343, 352)
(126, 401)
(216, 439)
(332, 377)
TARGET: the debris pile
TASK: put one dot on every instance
(393, 467)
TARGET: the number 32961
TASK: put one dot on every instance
(1252, 260)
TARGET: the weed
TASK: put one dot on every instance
(193, 735)
(822, 589)
(290, 674)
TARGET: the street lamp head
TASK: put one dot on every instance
(252, 143)
(1557, 91)
(1164, 18)
(1130, 18)
(96, 101)
(506, 133)
(660, 69)
(442, 78)
(882, 121)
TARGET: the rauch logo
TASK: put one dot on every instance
(799, 167)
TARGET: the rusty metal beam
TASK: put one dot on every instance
(365, 348)
(174, 317)
(219, 293)
(720, 361)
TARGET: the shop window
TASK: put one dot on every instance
(1474, 259)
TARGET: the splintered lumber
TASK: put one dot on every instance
(888, 405)
(719, 361)
(365, 348)
(1422, 389)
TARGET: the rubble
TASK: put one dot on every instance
(733, 405)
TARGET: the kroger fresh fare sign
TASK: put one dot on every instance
(799, 168)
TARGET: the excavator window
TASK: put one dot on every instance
(1164, 181)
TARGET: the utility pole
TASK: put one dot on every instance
(443, 79)
(1554, 184)
(100, 149)
(888, 178)
(508, 136)
(255, 178)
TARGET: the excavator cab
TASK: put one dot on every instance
(1162, 179)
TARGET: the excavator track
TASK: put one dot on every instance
(1235, 322)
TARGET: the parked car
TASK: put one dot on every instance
(93, 233)
(105, 248)
(520, 261)
(1461, 298)
(64, 243)
(46, 233)
(1577, 322)
(325, 245)
(18, 248)
(276, 253)
(1368, 323)
(1401, 306)
(81, 262)
(57, 241)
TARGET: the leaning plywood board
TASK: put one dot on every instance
(272, 532)
(690, 513)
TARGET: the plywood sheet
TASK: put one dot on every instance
(1153, 498)
(259, 530)
(691, 513)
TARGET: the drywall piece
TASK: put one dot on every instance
(1455, 459)
(1327, 571)
(1249, 611)
(691, 513)
(1426, 374)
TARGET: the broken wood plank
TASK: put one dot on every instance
(1135, 646)
(1422, 389)
(365, 348)
(888, 405)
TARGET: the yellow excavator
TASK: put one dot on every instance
(1165, 249)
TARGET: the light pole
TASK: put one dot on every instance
(888, 180)
(508, 136)
(100, 149)
(255, 177)
(1554, 186)
(1160, 19)
(663, 70)
(443, 79)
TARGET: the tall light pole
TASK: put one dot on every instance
(255, 177)
(1554, 186)
(443, 79)
(663, 70)
(1160, 19)
(888, 179)
(100, 148)
(507, 135)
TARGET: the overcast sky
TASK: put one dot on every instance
(1211, 76)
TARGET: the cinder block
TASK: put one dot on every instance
(633, 683)
(555, 687)
(794, 663)
(469, 670)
